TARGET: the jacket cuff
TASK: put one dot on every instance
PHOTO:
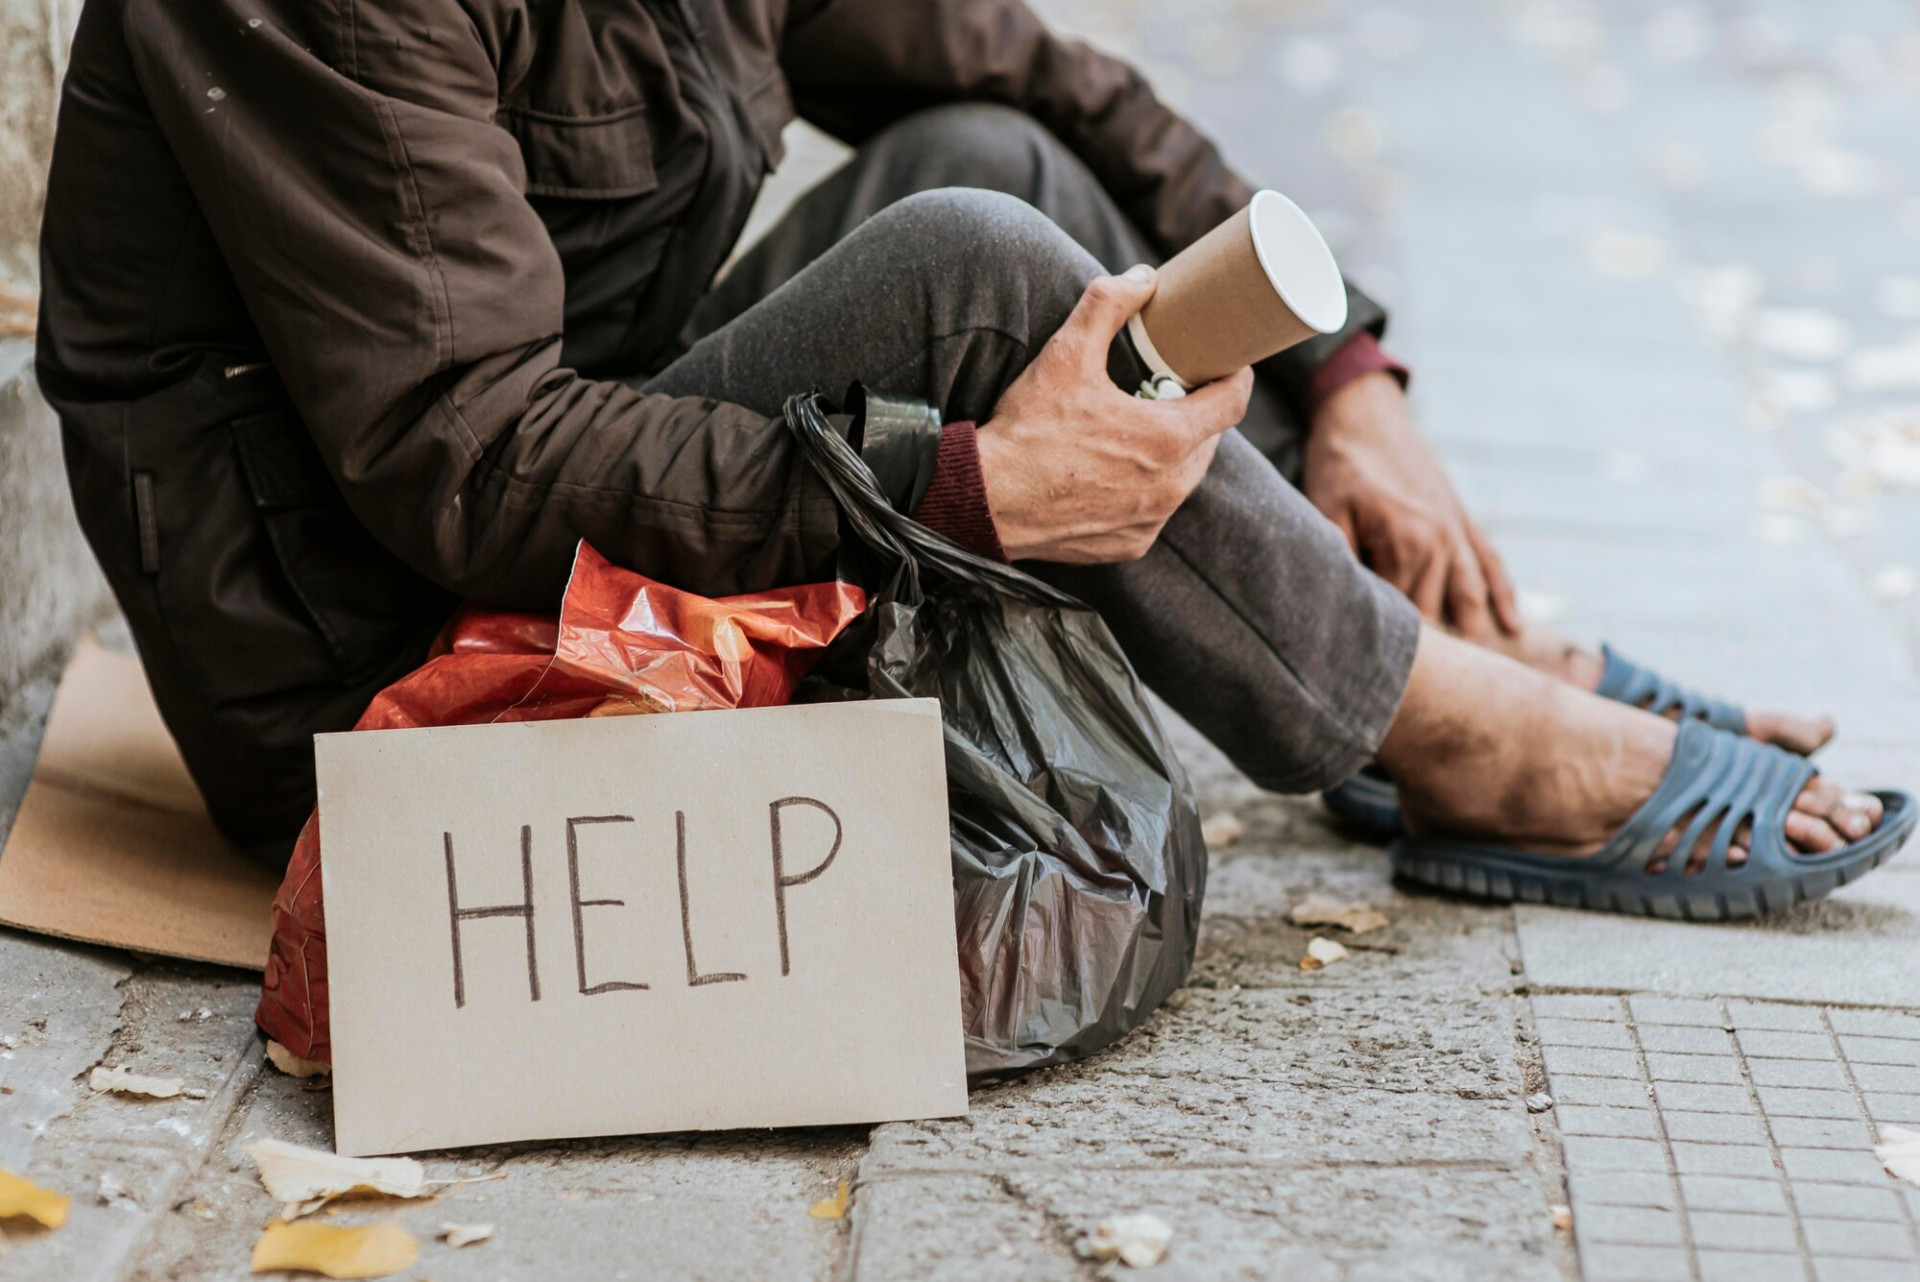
(1359, 356)
(955, 504)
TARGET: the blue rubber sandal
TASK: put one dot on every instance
(1716, 777)
(1369, 803)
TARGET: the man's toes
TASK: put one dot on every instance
(1812, 834)
(1856, 814)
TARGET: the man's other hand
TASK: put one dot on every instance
(1371, 472)
(1077, 470)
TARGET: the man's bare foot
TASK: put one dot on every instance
(1545, 650)
(1487, 747)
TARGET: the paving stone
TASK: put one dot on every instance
(1722, 1070)
(1748, 1266)
(1702, 1097)
(1613, 1262)
(1893, 1108)
(1768, 1044)
(1818, 1074)
(1871, 1239)
(1887, 1077)
(1576, 1006)
(1622, 1188)
(1820, 1132)
(1635, 1123)
(1640, 1225)
(1832, 1165)
(1845, 1201)
(1648, 1009)
(1828, 1269)
(1875, 1023)
(1880, 1050)
(1577, 1032)
(1714, 1128)
(1768, 1015)
(1612, 1092)
(1597, 1153)
(1588, 1061)
(1723, 1159)
(1787, 1101)
(1736, 1231)
(1685, 1040)
(1719, 1193)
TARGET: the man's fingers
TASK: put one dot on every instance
(1102, 311)
(1506, 608)
(1469, 609)
(1208, 411)
(1429, 588)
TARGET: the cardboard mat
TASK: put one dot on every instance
(113, 845)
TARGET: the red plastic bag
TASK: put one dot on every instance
(623, 644)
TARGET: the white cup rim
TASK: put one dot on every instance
(1297, 261)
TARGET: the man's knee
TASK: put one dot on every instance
(988, 238)
(975, 145)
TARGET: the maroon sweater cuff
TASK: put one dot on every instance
(1355, 358)
(955, 504)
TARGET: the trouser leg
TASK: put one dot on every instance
(1249, 615)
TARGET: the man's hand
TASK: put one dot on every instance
(1077, 470)
(1369, 469)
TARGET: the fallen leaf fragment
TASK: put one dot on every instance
(306, 1179)
(1899, 1151)
(20, 1197)
(1222, 829)
(831, 1208)
(1322, 952)
(1562, 1215)
(465, 1234)
(292, 1065)
(1319, 910)
(121, 1082)
(1138, 1241)
(371, 1252)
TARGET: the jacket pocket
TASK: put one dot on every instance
(601, 157)
(359, 598)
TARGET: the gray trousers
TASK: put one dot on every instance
(934, 264)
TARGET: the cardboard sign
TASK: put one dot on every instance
(648, 923)
(112, 843)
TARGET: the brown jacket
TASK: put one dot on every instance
(333, 291)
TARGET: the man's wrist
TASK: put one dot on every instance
(1360, 360)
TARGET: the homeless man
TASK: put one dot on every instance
(352, 312)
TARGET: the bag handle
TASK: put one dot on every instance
(893, 535)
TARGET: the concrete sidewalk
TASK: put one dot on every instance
(1639, 256)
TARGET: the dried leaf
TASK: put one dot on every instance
(1322, 952)
(1562, 1215)
(121, 1082)
(1138, 1241)
(292, 1065)
(1221, 830)
(20, 1198)
(306, 1179)
(371, 1252)
(465, 1234)
(831, 1208)
(1319, 910)
(1899, 1151)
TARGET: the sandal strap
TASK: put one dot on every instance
(1625, 681)
(1716, 780)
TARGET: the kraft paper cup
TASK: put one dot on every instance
(1255, 285)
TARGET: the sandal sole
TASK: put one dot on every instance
(1489, 873)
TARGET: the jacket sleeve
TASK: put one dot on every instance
(856, 66)
(374, 219)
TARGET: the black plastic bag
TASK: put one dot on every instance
(1078, 865)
